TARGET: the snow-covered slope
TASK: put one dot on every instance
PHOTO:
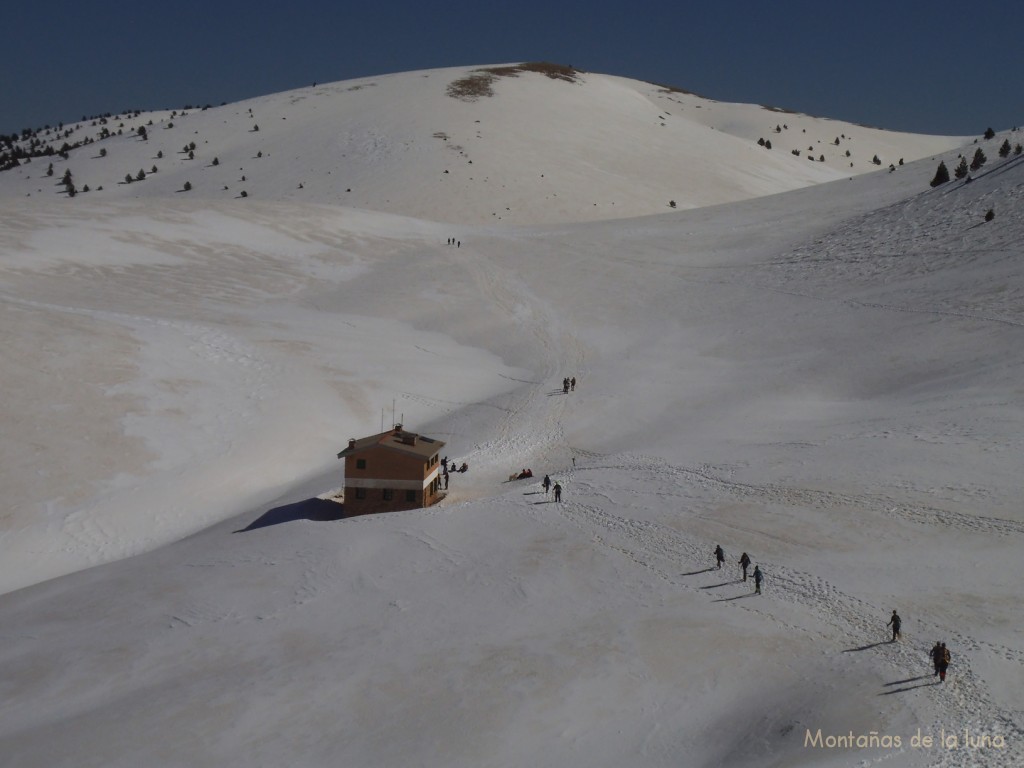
(538, 150)
(827, 379)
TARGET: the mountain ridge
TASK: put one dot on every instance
(539, 150)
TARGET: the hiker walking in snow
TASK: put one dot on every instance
(565, 386)
(936, 654)
(895, 623)
(558, 492)
(547, 484)
(758, 578)
(572, 383)
(719, 555)
(944, 663)
(744, 564)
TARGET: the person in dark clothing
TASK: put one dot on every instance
(546, 484)
(572, 383)
(744, 564)
(944, 663)
(758, 578)
(558, 492)
(719, 555)
(895, 623)
(446, 478)
(936, 654)
(565, 386)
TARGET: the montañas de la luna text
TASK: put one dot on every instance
(962, 739)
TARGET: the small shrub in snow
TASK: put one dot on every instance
(140, 175)
(961, 169)
(1018, 149)
(1004, 150)
(876, 160)
(188, 186)
(767, 144)
(215, 161)
(978, 160)
(990, 215)
(128, 178)
(989, 133)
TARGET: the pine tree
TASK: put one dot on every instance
(961, 169)
(941, 175)
(979, 159)
(989, 133)
(1004, 150)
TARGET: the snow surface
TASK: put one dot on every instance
(826, 376)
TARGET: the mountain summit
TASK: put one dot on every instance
(515, 144)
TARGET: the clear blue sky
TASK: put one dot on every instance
(929, 67)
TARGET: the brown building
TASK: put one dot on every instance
(392, 471)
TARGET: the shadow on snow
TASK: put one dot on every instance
(317, 510)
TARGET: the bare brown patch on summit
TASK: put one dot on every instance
(479, 82)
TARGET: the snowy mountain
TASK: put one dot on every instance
(576, 146)
(821, 370)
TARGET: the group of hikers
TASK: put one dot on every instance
(569, 384)
(464, 467)
(744, 563)
(939, 653)
(548, 487)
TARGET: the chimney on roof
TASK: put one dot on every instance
(351, 442)
(398, 429)
(408, 438)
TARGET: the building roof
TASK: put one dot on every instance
(396, 439)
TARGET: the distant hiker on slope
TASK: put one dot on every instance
(558, 492)
(744, 564)
(936, 654)
(944, 663)
(895, 623)
(572, 383)
(547, 484)
(758, 578)
(719, 555)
